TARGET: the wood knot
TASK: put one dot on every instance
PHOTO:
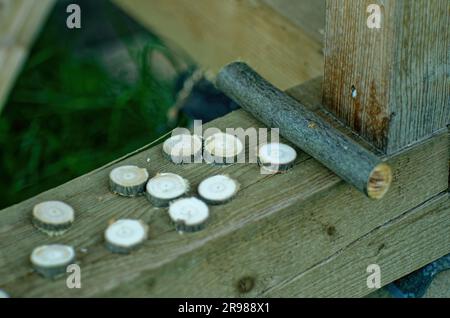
(150, 283)
(382, 246)
(331, 230)
(245, 284)
(354, 92)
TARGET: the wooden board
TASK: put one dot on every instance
(308, 15)
(400, 72)
(399, 247)
(215, 33)
(20, 21)
(277, 229)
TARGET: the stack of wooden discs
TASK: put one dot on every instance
(165, 189)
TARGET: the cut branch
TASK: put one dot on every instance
(353, 163)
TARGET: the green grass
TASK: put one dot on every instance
(68, 115)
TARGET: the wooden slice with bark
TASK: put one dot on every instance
(222, 148)
(53, 217)
(181, 149)
(165, 187)
(189, 214)
(125, 235)
(51, 261)
(276, 157)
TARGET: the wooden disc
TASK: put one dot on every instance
(128, 181)
(276, 157)
(183, 148)
(52, 260)
(165, 187)
(218, 189)
(53, 217)
(125, 235)
(189, 214)
(222, 148)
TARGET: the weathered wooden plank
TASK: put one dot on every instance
(309, 15)
(391, 84)
(276, 228)
(215, 33)
(11, 58)
(278, 247)
(399, 247)
(265, 270)
(20, 21)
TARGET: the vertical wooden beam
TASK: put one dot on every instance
(389, 84)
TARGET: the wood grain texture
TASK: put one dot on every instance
(400, 72)
(309, 15)
(20, 21)
(215, 33)
(304, 128)
(399, 247)
(278, 227)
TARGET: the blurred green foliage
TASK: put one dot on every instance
(68, 115)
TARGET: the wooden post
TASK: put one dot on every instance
(389, 84)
